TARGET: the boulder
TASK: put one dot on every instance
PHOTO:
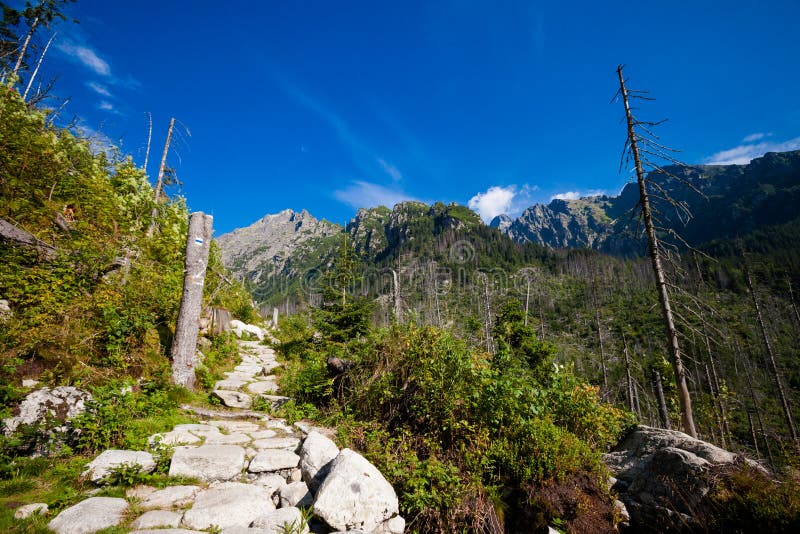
(271, 460)
(61, 403)
(660, 477)
(158, 519)
(5, 311)
(316, 455)
(101, 467)
(355, 495)
(295, 494)
(269, 481)
(282, 520)
(230, 504)
(262, 386)
(240, 328)
(168, 497)
(233, 399)
(91, 515)
(27, 510)
(208, 463)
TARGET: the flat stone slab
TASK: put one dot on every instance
(228, 439)
(103, 465)
(273, 460)
(226, 505)
(28, 510)
(174, 437)
(196, 429)
(295, 494)
(233, 399)
(252, 369)
(167, 531)
(262, 386)
(158, 519)
(208, 463)
(289, 443)
(269, 481)
(236, 426)
(262, 434)
(91, 515)
(229, 384)
(288, 519)
(169, 497)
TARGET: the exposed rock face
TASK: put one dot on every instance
(563, 223)
(91, 515)
(270, 245)
(660, 476)
(282, 520)
(61, 403)
(355, 495)
(316, 456)
(101, 467)
(501, 222)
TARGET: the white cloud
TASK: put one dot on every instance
(361, 194)
(744, 153)
(391, 170)
(755, 137)
(498, 200)
(86, 56)
(574, 195)
(100, 89)
(566, 195)
(106, 106)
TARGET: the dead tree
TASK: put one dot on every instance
(149, 138)
(160, 181)
(632, 148)
(184, 344)
(36, 70)
(658, 389)
(776, 374)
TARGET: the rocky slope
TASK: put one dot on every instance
(275, 244)
(732, 200)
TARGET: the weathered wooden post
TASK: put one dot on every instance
(184, 344)
(274, 317)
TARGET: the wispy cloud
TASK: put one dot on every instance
(745, 152)
(361, 194)
(100, 89)
(86, 56)
(364, 157)
(755, 137)
(497, 200)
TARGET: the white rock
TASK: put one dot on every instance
(28, 510)
(240, 328)
(262, 434)
(197, 429)
(355, 495)
(273, 460)
(29, 383)
(62, 403)
(209, 462)
(101, 467)
(316, 455)
(295, 476)
(230, 504)
(174, 437)
(91, 515)
(262, 386)
(158, 519)
(395, 525)
(295, 494)
(228, 439)
(169, 497)
(236, 426)
(288, 519)
(229, 384)
(167, 531)
(233, 399)
(269, 481)
(287, 443)
(139, 492)
(276, 401)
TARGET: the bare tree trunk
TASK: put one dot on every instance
(487, 317)
(160, 182)
(787, 410)
(717, 409)
(602, 350)
(149, 138)
(24, 48)
(36, 70)
(758, 412)
(663, 413)
(753, 432)
(396, 295)
(184, 344)
(527, 298)
(794, 304)
(684, 399)
(628, 376)
(274, 317)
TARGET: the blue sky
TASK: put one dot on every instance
(330, 106)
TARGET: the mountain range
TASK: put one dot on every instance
(278, 250)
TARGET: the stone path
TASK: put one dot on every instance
(254, 476)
